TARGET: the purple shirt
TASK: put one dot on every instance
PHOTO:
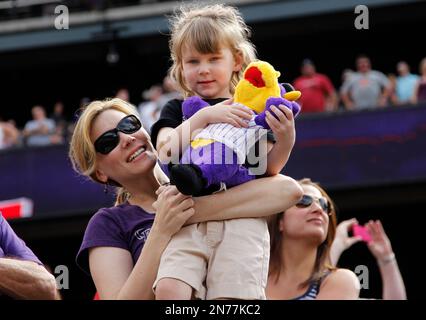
(11, 246)
(125, 226)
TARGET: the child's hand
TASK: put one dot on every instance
(225, 112)
(283, 127)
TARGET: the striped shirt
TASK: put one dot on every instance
(313, 290)
(240, 140)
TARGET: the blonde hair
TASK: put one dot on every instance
(82, 152)
(207, 29)
(322, 261)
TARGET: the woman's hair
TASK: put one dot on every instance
(207, 29)
(82, 152)
(322, 261)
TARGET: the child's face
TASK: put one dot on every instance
(209, 74)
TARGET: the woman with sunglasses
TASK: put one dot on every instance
(122, 245)
(301, 237)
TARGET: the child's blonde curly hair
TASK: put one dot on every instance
(207, 29)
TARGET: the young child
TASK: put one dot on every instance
(220, 259)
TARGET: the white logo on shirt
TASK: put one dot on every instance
(142, 234)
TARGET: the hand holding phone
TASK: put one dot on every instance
(360, 231)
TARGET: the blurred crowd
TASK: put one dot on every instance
(45, 129)
(362, 88)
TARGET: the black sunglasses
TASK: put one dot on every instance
(307, 200)
(110, 139)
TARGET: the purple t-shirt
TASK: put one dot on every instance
(11, 246)
(125, 226)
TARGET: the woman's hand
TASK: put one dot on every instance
(235, 114)
(342, 233)
(172, 210)
(342, 240)
(380, 245)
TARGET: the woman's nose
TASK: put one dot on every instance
(316, 207)
(126, 139)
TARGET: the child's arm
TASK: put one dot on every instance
(172, 142)
(257, 198)
(284, 132)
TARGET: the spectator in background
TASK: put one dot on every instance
(83, 103)
(405, 84)
(58, 117)
(170, 91)
(392, 88)
(9, 134)
(346, 74)
(123, 94)
(420, 88)
(40, 131)
(318, 93)
(381, 248)
(366, 88)
(22, 275)
(150, 110)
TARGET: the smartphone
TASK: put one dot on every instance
(360, 231)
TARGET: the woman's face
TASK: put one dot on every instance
(134, 154)
(306, 223)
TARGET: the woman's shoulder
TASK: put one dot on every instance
(104, 219)
(113, 227)
(342, 281)
(120, 214)
(341, 274)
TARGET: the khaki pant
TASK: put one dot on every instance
(220, 259)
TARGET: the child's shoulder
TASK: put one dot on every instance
(174, 104)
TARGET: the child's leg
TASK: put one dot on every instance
(173, 289)
(238, 268)
(183, 265)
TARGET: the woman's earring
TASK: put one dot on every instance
(106, 187)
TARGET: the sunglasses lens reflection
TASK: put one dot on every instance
(307, 200)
